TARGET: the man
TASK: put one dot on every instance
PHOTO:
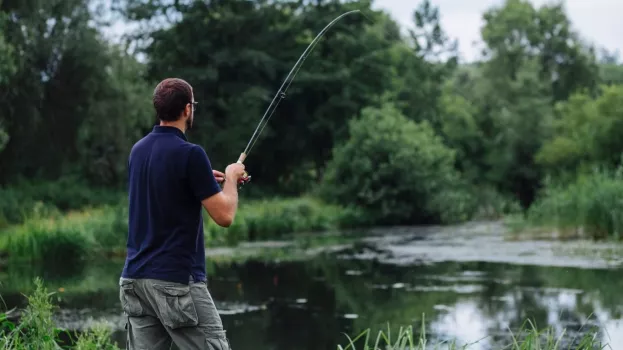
(163, 288)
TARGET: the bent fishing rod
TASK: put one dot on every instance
(281, 94)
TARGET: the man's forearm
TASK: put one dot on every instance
(230, 190)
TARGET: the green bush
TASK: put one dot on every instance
(396, 171)
(16, 207)
(492, 204)
(593, 202)
(26, 200)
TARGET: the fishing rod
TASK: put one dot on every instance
(281, 94)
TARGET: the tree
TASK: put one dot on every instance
(586, 133)
(235, 76)
(64, 73)
(517, 33)
(428, 59)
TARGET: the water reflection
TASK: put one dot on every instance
(311, 304)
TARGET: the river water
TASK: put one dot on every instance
(471, 283)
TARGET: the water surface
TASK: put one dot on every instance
(470, 283)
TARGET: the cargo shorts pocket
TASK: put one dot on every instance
(130, 302)
(217, 340)
(176, 306)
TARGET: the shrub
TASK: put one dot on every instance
(396, 171)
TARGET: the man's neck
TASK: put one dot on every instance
(179, 125)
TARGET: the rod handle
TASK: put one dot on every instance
(246, 178)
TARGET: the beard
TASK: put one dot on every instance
(189, 123)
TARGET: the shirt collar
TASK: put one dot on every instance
(159, 129)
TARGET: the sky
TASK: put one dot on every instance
(597, 21)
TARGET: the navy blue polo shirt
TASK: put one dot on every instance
(168, 179)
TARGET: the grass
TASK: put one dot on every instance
(36, 329)
(274, 218)
(26, 199)
(529, 337)
(103, 230)
(74, 235)
(591, 206)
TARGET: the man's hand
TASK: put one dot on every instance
(219, 176)
(234, 172)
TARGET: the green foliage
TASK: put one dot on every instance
(75, 100)
(396, 171)
(517, 32)
(591, 203)
(490, 131)
(587, 133)
(36, 329)
(32, 200)
(73, 236)
(273, 218)
(103, 230)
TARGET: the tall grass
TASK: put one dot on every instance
(36, 329)
(592, 204)
(274, 218)
(71, 236)
(103, 230)
(528, 338)
(26, 199)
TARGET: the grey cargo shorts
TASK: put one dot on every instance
(160, 313)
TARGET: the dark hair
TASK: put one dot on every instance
(170, 97)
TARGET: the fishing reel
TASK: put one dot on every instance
(244, 179)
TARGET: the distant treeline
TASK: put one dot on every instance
(375, 118)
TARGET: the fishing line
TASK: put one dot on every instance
(281, 93)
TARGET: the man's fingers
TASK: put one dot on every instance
(219, 176)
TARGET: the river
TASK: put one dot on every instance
(471, 282)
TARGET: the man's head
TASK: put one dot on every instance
(175, 103)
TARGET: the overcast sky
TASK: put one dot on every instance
(598, 21)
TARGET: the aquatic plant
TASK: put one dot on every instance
(529, 337)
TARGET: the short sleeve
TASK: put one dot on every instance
(202, 181)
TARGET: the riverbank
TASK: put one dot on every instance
(102, 231)
(40, 221)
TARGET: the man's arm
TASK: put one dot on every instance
(221, 204)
